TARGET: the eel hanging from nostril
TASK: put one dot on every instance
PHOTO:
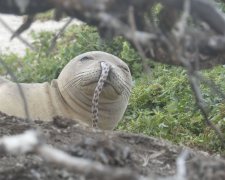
(94, 109)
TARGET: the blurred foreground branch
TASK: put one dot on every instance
(204, 33)
(32, 142)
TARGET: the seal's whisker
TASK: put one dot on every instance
(73, 81)
(127, 89)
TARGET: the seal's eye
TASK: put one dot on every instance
(124, 68)
(85, 58)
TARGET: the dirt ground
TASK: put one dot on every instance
(145, 155)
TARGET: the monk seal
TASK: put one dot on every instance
(71, 94)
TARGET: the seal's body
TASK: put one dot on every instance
(71, 94)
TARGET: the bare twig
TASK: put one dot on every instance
(194, 82)
(181, 166)
(180, 27)
(132, 22)
(61, 31)
(27, 23)
(126, 31)
(213, 86)
(21, 92)
(24, 41)
(19, 88)
(202, 106)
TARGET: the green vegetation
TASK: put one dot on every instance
(163, 106)
(160, 105)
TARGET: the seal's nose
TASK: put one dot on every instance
(112, 72)
(105, 64)
(105, 69)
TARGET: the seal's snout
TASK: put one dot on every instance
(86, 70)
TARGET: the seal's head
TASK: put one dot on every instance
(77, 84)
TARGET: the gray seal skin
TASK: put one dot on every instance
(70, 95)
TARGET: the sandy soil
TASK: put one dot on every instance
(14, 23)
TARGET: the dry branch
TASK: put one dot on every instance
(24, 41)
(152, 41)
(31, 142)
